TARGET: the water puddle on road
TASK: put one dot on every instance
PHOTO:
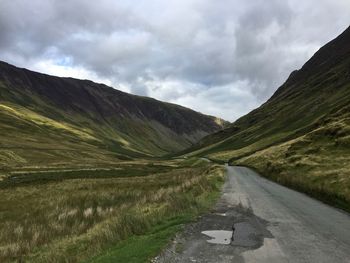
(244, 235)
(220, 214)
(219, 236)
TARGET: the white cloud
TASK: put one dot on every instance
(222, 58)
(53, 68)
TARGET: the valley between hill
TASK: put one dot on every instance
(91, 173)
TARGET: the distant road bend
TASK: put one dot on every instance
(272, 224)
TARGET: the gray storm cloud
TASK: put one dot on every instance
(219, 57)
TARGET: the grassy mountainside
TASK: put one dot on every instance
(46, 120)
(301, 135)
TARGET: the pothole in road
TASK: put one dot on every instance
(244, 235)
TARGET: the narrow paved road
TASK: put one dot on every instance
(272, 224)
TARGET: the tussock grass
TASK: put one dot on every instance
(75, 218)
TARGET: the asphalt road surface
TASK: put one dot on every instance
(271, 224)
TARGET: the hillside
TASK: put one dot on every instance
(53, 121)
(301, 136)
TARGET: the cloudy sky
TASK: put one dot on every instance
(222, 58)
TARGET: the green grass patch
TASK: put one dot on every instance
(139, 249)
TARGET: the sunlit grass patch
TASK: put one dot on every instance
(31, 116)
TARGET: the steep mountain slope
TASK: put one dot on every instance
(301, 135)
(51, 120)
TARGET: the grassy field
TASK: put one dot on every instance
(125, 213)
